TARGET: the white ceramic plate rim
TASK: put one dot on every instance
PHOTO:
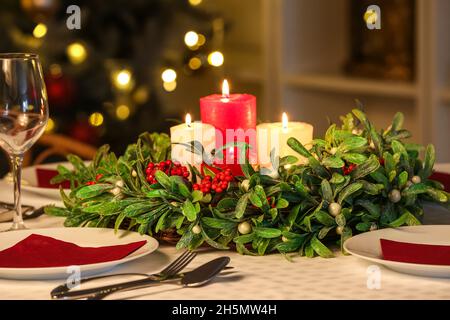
(151, 246)
(389, 262)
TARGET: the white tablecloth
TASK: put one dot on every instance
(268, 277)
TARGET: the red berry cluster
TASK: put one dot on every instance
(218, 184)
(381, 160)
(168, 167)
(347, 170)
(97, 177)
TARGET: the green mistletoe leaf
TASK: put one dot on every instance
(348, 191)
(356, 158)
(241, 206)
(93, 190)
(327, 192)
(430, 158)
(320, 248)
(189, 211)
(369, 166)
(267, 232)
(163, 179)
(333, 162)
(337, 178)
(352, 143)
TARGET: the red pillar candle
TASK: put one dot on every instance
(234, 117)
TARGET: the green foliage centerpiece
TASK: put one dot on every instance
(355, 179)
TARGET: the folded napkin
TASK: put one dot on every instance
(45, 175)
(415, 252)
(37, 251)
(443, 178)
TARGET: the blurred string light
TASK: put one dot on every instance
(55, 70)
(141, 95)
(170, 86)
(122, 79)
(96, 119)
(216, 58)
(50, 127)
(195, 63)
(40, 30)
(191, 38)
(201, 40)
(195, 2)
(169, 75)
(76, 52)
(122, 112)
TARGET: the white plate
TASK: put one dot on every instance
(85, 237)
(367, 246)
(30, 183)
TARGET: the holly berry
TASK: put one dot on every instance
(381, 161)
(217, 184)
(98, 177)
(168, 167)
(90, 183)
(347, 170)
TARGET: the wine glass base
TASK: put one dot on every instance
(16, 226)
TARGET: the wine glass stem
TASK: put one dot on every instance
(16, 162)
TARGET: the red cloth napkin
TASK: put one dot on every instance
(443, 178)
(415, 253)
(45, 175)
(37, 251)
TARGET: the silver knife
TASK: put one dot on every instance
(197, 277)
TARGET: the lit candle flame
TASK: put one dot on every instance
(225, 89)
(188, 120)
(284, 120)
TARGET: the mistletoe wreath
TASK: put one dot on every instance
(355, 180)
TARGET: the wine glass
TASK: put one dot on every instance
(23, 114)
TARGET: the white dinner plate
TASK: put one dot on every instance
(367, 246)
(85, 237)
(30, 183)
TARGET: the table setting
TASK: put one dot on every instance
(265, 211)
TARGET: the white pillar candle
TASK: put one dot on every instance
(272, 139)
(186, 133)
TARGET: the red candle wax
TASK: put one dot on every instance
(234, 117)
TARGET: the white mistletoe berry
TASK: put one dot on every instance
(333, 150)
(245, 185)
(334, 209)
(395, 196)
(197, 229)
(284, 239)
(134, 173)
(339, 230)
(119, 183)
(244, 227)
(116, 191)
(416, 179)
(373, 227)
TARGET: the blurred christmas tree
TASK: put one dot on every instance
(101, 79)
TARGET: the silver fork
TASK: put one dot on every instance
(63, 291)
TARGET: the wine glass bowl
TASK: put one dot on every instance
(23, 112)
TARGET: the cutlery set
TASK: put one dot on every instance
(171, 274)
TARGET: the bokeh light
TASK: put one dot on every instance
(122, 112)
(191, 38)
(195, 2)
(216, 58)
(50, 127)
(169, 75)
(76, 52)
(170, 86)
(40, 30)
(195, 63)
(96, 119)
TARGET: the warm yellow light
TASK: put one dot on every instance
(50, 125)
(188, 119)
(284, 120)
(123, 78)
(96, 119)
(215, 58)
(201, 40)
(195, 2)
(170, 86)
(195, 63)
(225, 89)
(40, 30)
(169, 75)
(122, 112)
(191, 38)
(76, 52)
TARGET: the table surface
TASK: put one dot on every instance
(268, 277)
